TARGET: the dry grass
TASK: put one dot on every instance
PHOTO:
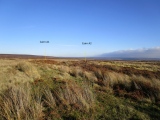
(111, 79)
(28, 69)
(17, 102)
(63, 68)
(149, 87)
(76, 71)
(17, 72)
(72, 94)
(49, 99)
(25, 101)
(150, 66)
(70, 89)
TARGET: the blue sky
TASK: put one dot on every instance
(111, 25)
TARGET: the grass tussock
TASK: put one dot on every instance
(17, 102)
(76, 71)
(37, 101)
(83, 95)
(134, 86)
(71, 94)
(28, 68)
(17, 73)
(149, 88)
(113, 79)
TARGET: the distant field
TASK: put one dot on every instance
(74, 89)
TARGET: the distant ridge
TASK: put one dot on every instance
(26, 56)
(23, 56)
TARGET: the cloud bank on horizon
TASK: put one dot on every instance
(137, 53)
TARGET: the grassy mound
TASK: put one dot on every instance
(28, 69)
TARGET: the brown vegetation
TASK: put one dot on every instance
(76, 89)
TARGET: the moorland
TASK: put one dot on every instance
(75, 89)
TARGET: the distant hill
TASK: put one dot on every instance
(147, 54)
(26, 56)
(22, 56)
